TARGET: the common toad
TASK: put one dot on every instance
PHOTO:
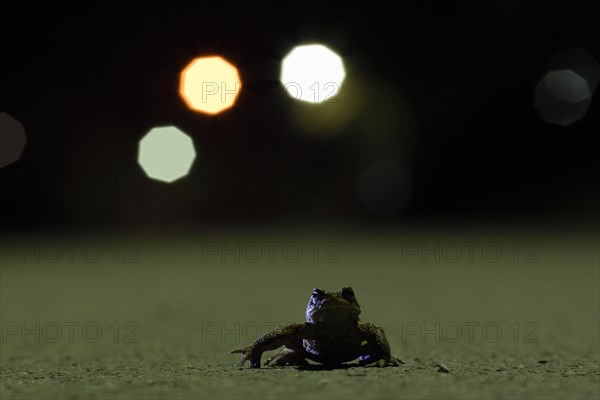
(331, 335)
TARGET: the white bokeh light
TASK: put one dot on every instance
(166, 154)
(312, 73)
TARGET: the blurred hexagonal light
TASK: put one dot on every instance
(166, 154)
(562, 97)
(312, 73)
(12, 139)
(210, 84)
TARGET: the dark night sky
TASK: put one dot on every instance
(87, 84)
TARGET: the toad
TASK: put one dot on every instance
(331, 335)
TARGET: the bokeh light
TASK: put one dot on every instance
(562, 97)
(166, 154)
(210, 85)
(312, 73)
(12, 139)
(385, 188)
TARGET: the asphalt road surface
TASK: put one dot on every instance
(471, 314)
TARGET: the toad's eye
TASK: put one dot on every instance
(318, 293)
(348, 293)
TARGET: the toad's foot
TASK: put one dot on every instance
(393, 362)
(283, 336)
(249, 354)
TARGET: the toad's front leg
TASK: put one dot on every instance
(376, 350)
(271, 341)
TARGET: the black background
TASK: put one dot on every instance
(87, 83)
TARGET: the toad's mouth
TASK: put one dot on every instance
(335, 305)
(335, 308)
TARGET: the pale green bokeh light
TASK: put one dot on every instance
(166, 154)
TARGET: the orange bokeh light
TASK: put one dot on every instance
(210, 84)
